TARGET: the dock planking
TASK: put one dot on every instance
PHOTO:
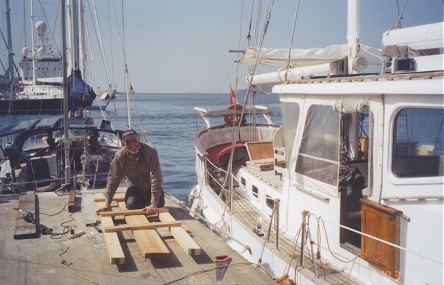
(38, 261)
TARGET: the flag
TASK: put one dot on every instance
(232, 97)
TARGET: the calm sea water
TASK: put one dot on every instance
(171, 123)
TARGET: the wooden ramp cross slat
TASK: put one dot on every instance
(129, 212)
(140, 226)
(118, 197)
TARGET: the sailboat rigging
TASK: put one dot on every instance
(58, 153)
(39, 88)
(339, 192)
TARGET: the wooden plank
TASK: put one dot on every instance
(130, 212)
(23, 228)
(149, 241)
(182, 237)
(261, 164)
(115, 251)
(143, 226)
(259, 150)
(117, 218)
(72, 201)
(99, 197)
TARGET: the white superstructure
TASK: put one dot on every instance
(354, 174)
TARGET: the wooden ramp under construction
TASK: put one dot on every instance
(147, 231)
(56, 257)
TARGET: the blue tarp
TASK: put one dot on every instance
(80, 94)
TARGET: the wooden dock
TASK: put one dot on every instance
(147, 254)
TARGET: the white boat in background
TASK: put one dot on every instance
(349, 190)
(39, 87)
(58, 153)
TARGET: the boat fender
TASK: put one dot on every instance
(284, 280)
(231, 120)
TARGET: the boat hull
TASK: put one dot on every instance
(53, 106)
(31, 106)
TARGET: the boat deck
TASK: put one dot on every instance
(244, 210)
(267, 176)
(56, 259)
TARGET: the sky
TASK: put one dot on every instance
(178, 46)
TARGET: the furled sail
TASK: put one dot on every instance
(80, 94)
(304, 57)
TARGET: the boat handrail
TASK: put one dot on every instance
(257, 110)
(372, 77)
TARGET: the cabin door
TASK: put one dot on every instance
(353, 169)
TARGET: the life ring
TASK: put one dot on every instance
(18, 88)
(234, 119)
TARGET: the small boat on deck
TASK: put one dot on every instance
(349, 190)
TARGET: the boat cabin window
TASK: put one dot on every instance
(318, 154)
(37, 141)
(418, 148)
(290, 117)
(6, 143)
(255, 191)
(2, 154)
(107, 139)
(270, 202)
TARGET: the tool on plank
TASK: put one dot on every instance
(27, 216)
(94, 225)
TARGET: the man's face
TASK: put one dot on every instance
(132, 145)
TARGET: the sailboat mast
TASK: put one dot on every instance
(32, 43)
(65, 96)
(82, 38)
(126, 71)
(74, 35)
(8, 26)
(353, 31)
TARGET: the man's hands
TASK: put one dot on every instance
(150, 210)
(103, 209)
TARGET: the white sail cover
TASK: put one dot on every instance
(305, 57)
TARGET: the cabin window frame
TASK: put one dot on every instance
(416, 153)
(313, 184)
(243, 182)
(291, 116)
(255, 191)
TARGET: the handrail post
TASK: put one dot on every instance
(304, 215)
(276, 206)
(231, 191)
(204, 162)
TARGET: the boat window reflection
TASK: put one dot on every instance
(418, 148)
(290, 115)
(37, 141)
